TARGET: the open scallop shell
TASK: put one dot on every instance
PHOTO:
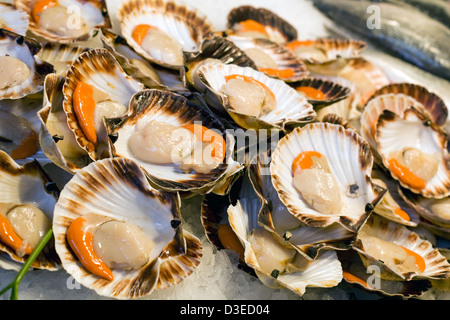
(280, 59)
(99, 68)
(25, 49)
(274, 215)
(350, 162)
(413, 130)
(325, 271)
(276, 28)
(164, 106)
(357, 274)
(180, 21)
(61, 56)
(333, 92)
(324, 50)
(291, 107)
(436, 265)
(55, 138)
(123, 193)
(88, 15)
(27, 184)
(13, 19)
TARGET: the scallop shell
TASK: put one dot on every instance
(350, 162)
(122, 192)
(412, 130)
(60, 147)
(357, 274)
(277, 29)
(184, 23)
(325, 50)
(13, 19)
(274, 216)
(333, 92)
(325, 271)
(99, 68)
(93, 12)
(28, 184)
(153, 104)
(282, 58)
(25, 49)
(291, 108)
(61, 56)
(436, 265)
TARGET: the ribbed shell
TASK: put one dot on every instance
(412, 130)
(184, 23)
(25, 49)
(94, 12)
(282, 57)
(165, 106)
(27, 185)
(291, 108)
(99, 68)
(437, 266)
(278, 29)
(122, 192)
(14, 19)
(350, 161)
(61, 56)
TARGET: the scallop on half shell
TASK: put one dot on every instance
(26, 212)
(161, 30)
(322, 175)
(22, 71)
(138, 243)
(252, 99)
(65, 21)
(13, 19)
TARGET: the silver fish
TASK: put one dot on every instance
(405, 33)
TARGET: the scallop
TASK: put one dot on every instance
(254, 100)
(65, 21)
(161, 30)
(56, 139)
(22, 72)
(259, 23)
(60, 56)
(96, 87)
(322, 175)
(26, 212)
(138, 244)
(400, 253)
(272, 58)
(13, 19)
(189, 149)
(405, 142)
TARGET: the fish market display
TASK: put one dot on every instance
(304, 163)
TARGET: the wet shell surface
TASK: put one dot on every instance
(60, 56)
(350, 163)
(65, 21)
(155, 106)
(263, 23)
(13, 19)
(181, 28)
(289, 107)
(23, 72)
(56, 139)
(98, 68)
(405, 142)
(26, 185)
(382, 242)
(325, 50)
(272, 58)
(122, 194)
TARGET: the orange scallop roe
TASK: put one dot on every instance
(352, 278)
(209, 136)
(41, 5)
(10, 238)
(280, 73)
(140, 31)
(405, 175)
(229, 240)
(299, 43)
(420, 261)
(27, 148)
(311, 93)
(84, 106)
(252, 26)
(401, 213)
(304, 160)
